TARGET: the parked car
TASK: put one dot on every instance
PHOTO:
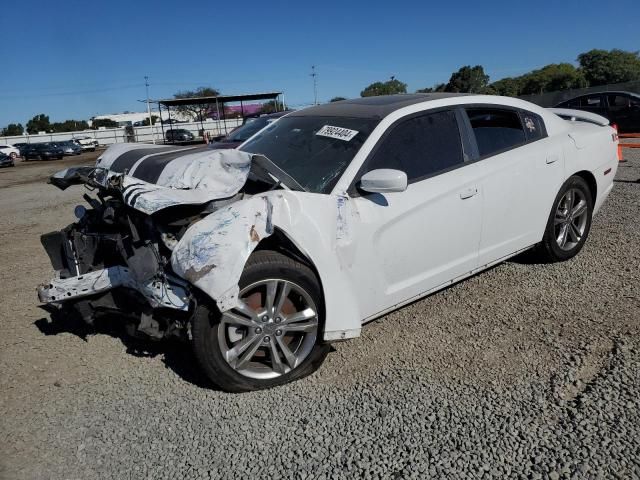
(70, 147)
(43, 151)
(179, 135)
(10, 150)
(325, 220)
(246, 131)
(621, 108)
(6, 160)
(86, 143)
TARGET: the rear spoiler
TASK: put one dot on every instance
(580, 116)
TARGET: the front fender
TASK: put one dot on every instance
(212, 253)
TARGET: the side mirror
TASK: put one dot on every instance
(384, 180)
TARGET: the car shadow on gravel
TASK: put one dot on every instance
(176, 355)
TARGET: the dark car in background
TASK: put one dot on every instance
(6, 160)
(246, 131)
(43, 151)
(70, 148)
(179, 135)
(621, 108)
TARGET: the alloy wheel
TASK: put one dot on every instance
(271, 332)
(570, 219)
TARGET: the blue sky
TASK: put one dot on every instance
(72, 59)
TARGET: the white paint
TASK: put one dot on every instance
(376, 252)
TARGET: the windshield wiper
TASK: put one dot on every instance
(276, 172)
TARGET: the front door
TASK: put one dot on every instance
(414, 241)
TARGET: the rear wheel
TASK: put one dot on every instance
(274, 335)
(569, 222)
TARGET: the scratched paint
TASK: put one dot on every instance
(212, 252)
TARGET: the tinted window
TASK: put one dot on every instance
(618, 101)
(421, 146)
(533, 126)
(592, 101)
(495, 130)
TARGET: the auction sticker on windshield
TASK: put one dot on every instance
(337, 132)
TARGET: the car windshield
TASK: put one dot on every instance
(312, 150)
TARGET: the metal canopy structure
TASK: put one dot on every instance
(219, 101)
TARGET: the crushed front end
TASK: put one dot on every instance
(115, 258)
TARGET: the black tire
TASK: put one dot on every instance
(549, 250)
(264, 264)
(43, 158)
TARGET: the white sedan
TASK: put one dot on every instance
(323, 221)
(10, 151)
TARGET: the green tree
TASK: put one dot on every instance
(69, 126)
(337, 99)
(509, 87)
(154, 119)
(39, 123)
(389, 87)
(468, 80)
(103, 122)
(195, 112)
(438, 87)
(551, 78)
(12, 130)
(601, 67)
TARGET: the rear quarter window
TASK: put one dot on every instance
(496, 130)
(534, 128)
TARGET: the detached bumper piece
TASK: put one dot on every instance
(167, 292)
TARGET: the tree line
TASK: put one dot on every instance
(595, 67)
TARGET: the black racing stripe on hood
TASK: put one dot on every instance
(134, 198)
(128, 159)
(132, 191)
(151, 168)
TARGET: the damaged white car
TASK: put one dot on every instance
(322, 222)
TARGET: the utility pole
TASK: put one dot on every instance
(315, 84)
(146, 84)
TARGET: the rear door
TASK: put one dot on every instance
(416, 240)
(624, 110)
(594, 103)
(522, 170)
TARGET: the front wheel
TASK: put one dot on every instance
(273, 337)
(569, 222)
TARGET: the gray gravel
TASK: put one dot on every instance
(524, 371)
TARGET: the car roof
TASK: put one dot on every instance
(371, 107)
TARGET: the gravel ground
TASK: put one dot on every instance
(523, 371)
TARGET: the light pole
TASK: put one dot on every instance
(153, 136)
(315, 84)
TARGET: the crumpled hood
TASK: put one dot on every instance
(156, 177)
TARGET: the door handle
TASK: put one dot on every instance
(468, 193)
(552, 159)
